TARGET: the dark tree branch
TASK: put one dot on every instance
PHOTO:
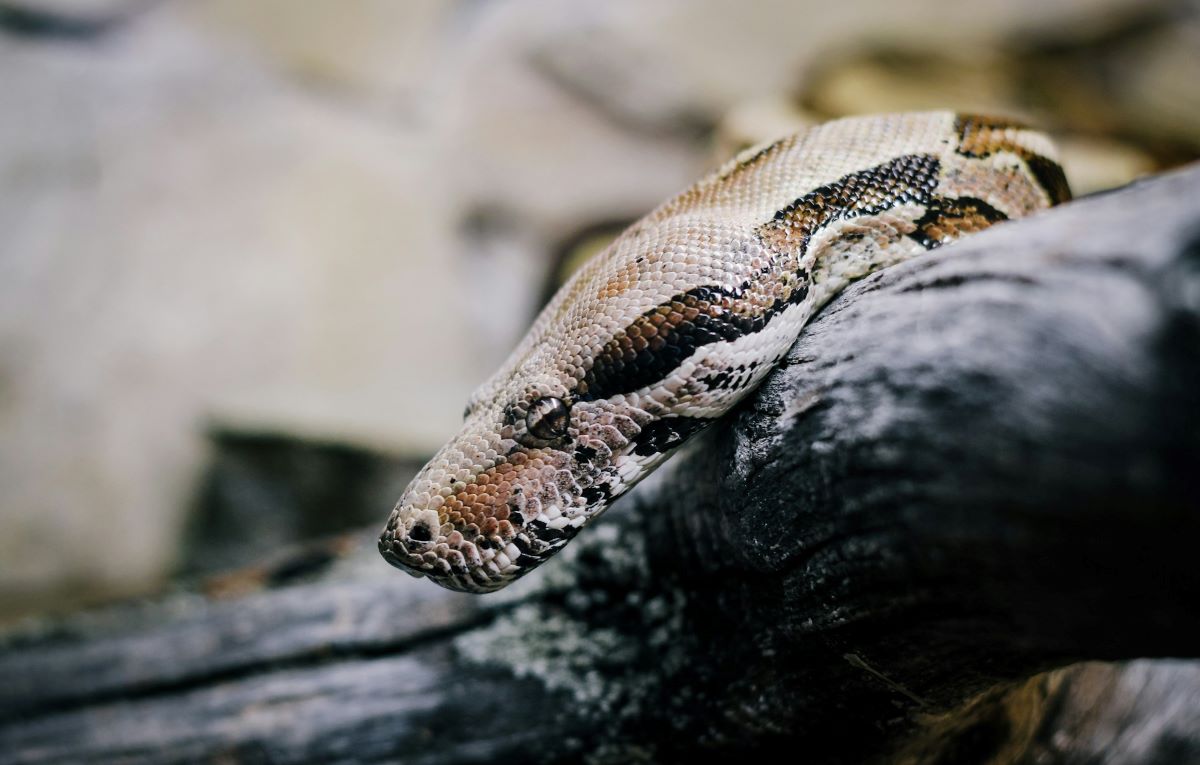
(972, 469)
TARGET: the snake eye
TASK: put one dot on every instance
(548, 418)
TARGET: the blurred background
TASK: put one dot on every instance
(254, 254)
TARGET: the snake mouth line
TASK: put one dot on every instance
(488, 577)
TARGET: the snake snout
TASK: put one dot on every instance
(455, 553)
(480, 515)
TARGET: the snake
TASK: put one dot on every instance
(684, 313)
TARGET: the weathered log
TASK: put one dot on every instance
(972, 469)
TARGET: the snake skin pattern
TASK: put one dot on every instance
(684, 314)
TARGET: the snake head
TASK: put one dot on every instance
(524, 474)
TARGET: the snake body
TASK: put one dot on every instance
(684, 313)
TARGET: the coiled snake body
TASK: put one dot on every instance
(684, 314)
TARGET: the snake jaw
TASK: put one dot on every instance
(450, 566)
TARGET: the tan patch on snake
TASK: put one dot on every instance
(480, 507)
(983, 136)
(621, 282)
(726, 181)
(948, 219)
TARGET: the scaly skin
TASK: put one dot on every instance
(684, 314)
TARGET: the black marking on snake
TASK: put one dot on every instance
(594, 494)
(908, 179)
(676, 329)
(528, 556)
(911, 178)
(728, 378)
(660, 339)
(420, 533)
(1050, 176)
(665, 434)
(718, 381)
(547, 534)
(584, 454)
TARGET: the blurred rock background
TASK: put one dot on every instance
(254, 255)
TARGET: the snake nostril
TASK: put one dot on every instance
(420, 533)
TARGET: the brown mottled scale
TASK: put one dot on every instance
(684, 313)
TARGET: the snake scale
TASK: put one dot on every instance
(684, 313)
